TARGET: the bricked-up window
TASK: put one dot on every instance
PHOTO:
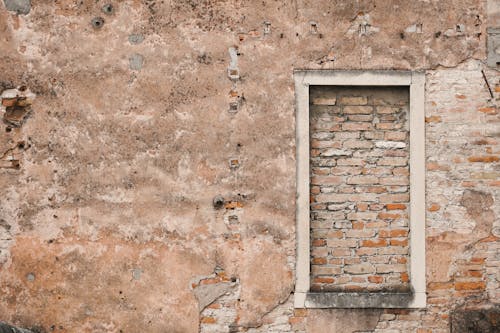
(360, 184)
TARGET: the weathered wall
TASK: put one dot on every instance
(142, 117)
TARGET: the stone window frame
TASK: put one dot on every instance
(303, 297)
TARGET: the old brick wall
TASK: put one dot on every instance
(359, 188)
(121, 124)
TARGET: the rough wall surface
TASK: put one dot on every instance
(127, 120)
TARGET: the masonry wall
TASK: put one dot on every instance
(147, 160)
(359, 139)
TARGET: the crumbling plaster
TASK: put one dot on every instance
(107, 221)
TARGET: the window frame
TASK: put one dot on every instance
(304, 298)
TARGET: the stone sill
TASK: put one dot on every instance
(353, 300)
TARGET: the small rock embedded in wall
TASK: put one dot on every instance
(267, 27)
(136, 273)
(17, 104)
(233, 71)
(21, 7)
(136, 61)
(494, 47)
(135, 39)
(234, 163)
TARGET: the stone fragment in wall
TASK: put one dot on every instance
(5, 328)
(390, 144)
(17, 104)
(476, 320)
(208, 293)
(22, 7)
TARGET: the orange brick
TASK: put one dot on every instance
(9, 101)
(233, 205)
(433, 119)
(362, 207)
(405, 277)
(319, 242)
(374, 243)
(494, 183)
(387, 233)
(375, 279)
(488, 110)
(399, 242)
(318, 261)
(376, 224)
(484, 159)
(439, 285)
(388, 216)
(210, 281)
(214, 306)
(434, 207)
(490, 238)
(469, 285)
(433, 166)
(399, 233)
(402, 260)
(423, 330)
(300, 312)
(477, 274)
(358, 225)
(208, 320)
(460, 96)
(395, 206)
(477, 260)
(353, 288)
(335, 234)
(295, 320)
(323, 280)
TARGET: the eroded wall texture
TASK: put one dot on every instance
(147, 160)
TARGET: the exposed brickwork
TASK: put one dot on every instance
(359, 139)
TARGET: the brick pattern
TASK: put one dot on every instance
(359, 139)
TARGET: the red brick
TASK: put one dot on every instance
(395, 206)
(318, 261)
(470, 285)
(395, 136)
(433, 119)
(488, 110)
(484, 159)
(434, 207)
(323, 280)
(300, 312)
(388, 216)
(358, 225)
(374, 243)
(375, 279)
(319, 242)
(439, 285)
(358, 109)
(208, 320)
(356, 126)
(399, 242)
(295, 320)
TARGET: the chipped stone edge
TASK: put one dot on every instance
(416, 82)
